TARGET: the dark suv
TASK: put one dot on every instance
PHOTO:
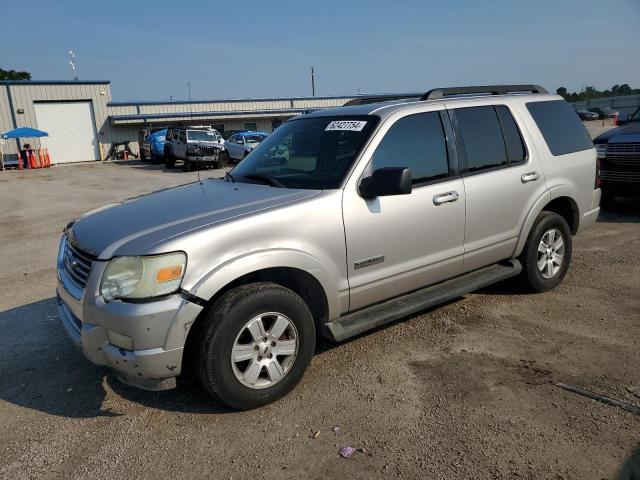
(196, 147)
(619, 159)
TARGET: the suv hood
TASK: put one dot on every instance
(143, 222)
(626, 133)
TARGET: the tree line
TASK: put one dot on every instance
(14, 75)
(588, 93)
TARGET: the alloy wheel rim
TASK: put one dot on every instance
(550, 253)
(264, 350)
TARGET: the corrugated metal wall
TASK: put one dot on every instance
(24, 95)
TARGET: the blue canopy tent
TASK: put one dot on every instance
(22, 132)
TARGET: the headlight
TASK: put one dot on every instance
(601, 148)
(143, 277)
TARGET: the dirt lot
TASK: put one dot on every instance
(463, 391)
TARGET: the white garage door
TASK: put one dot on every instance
(71, 128)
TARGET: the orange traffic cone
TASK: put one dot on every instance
(46, 157)
(19, 160)
(41, 158)
(615, 120)
(125, 155)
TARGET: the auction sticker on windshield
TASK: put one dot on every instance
(346, 125)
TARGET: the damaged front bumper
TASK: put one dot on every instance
(142, 342)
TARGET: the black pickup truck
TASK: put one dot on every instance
(619, 159)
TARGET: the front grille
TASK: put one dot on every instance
(623, 153)
(616, 176)
(207, 151)
(77, 264)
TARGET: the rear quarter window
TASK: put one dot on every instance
(560, 126)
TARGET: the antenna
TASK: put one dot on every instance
(313, 83)
(72, 64)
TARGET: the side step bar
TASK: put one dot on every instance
(411, 303)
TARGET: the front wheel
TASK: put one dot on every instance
(169, 159)
(547, 253)
(223, 159)
(255, 345)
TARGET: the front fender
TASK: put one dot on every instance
(252, 262)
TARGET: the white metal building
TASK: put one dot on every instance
(83, 122)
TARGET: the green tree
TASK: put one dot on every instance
(562, 92)
(14, 75)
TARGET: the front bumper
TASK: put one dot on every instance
(204, 159)
(157, 329)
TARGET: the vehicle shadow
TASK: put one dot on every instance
(43, 371)
(625, 210)
(630, 469)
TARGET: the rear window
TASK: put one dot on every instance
(481, 138)
(560, 126)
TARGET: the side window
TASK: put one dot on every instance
(514, 144)
(560, 126)
(418, 143)
(169, 135)
(480, 138)
(183, 136)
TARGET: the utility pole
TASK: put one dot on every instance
(190, 105)
(313, 83)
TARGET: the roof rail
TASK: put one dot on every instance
(438, 93)
(365, 99)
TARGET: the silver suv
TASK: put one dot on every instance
(196, 147)
(340, 221)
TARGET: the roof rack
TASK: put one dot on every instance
(438, 93)
(365, 99)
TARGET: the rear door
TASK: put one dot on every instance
(502, 179)
(400, 243)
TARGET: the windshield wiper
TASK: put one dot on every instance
(264, 179)
(228, 177)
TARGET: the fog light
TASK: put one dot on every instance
(120, 340)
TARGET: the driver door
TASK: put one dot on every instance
(400, 243)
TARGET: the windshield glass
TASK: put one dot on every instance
(310, 153)
(202, 136)
(257, 138)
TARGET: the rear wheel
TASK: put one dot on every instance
(169, 159)
(547, 253)
(187, 166)
(255, 344)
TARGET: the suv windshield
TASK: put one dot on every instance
(310, 153)
(202, 136)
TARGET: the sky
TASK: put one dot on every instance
(153, 50)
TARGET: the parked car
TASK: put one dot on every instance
(619, 159)
(152, 147)
(229, 133)
(340, 221)
(142, 137)
(195, 147)
(586, 115)
(604, 112)
(241, 144)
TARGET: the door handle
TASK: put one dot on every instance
(529, 177)
(445, 198)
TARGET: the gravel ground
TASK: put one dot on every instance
(463, 391)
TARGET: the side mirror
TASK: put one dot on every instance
(386, 181)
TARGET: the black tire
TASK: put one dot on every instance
(143, 156)
(226, 319)
(532, 277)
(169, 159)
(187, 166)
(607, 199)
(223, 160)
